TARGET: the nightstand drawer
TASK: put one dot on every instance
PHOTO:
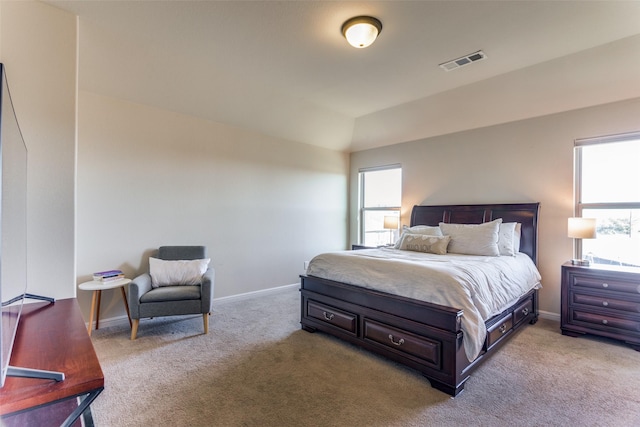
(603, 322)
(603, 301)
(332, 316)
(604, 283)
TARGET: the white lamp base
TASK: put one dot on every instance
(582, 262)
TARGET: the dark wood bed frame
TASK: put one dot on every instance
(421, 335)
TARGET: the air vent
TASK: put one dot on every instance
(464, 60)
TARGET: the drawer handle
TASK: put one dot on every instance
(503, 328)
(327, 316)
(525, 311)
(605, 303)
(399, 342)
(605, 285)
(605, 321)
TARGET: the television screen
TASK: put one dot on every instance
(13, 224)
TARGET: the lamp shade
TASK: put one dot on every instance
(361, 31)
(391, 222)
(581, 228)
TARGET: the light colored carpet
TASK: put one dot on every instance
(257, 368)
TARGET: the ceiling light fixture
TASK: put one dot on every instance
(361, 31)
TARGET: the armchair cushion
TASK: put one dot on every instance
(177, 272)
(172, 293)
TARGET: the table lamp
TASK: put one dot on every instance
(390, 223)
(581, 228)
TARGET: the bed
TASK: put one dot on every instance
(425, 336)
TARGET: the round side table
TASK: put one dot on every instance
(97, 287)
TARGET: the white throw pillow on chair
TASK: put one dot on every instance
(180, 272)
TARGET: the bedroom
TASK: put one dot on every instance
(127, 178)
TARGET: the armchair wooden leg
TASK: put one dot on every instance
(205, 318)
(134, 328)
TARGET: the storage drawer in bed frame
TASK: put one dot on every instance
(498, 330)
(422, 349)
(332, 316)
(403, 330)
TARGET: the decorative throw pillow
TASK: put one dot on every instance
(181, 272)
(507, 237)
(424, 243)
(428, 230)
(473, 239)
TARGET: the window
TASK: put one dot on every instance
(608, 189)
(380, 197)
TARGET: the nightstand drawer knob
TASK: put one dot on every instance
(525, 311)
(605, 303)
(605, 285)
(605, 321)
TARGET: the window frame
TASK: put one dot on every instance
(361, 189)
(581, 206)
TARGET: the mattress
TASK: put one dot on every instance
(481, 286)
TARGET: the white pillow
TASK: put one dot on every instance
(424, 243)
(427, 230)
(507, 238)
(181, 272)
(516, 238)
(473, 239)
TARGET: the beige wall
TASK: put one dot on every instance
(38, 45)
(523, 161)
(149, 177)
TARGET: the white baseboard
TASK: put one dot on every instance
(112, 321)
(549, 316)
(240, 297)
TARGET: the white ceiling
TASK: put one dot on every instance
(282, 68)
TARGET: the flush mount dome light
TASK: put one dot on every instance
(361, 31)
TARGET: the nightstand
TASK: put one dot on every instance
(357, 247)
(601, 300)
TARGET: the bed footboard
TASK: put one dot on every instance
(424, 336)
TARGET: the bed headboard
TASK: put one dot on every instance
(524, 213)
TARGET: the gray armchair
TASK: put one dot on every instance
(146, 301)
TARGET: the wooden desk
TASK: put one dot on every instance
(52, 337)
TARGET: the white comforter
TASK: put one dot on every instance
(481, 286)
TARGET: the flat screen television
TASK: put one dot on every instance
(13, 236)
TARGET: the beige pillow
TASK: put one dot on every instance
(182, 272)
(473, 239)
(428, 230)
(424, 243)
